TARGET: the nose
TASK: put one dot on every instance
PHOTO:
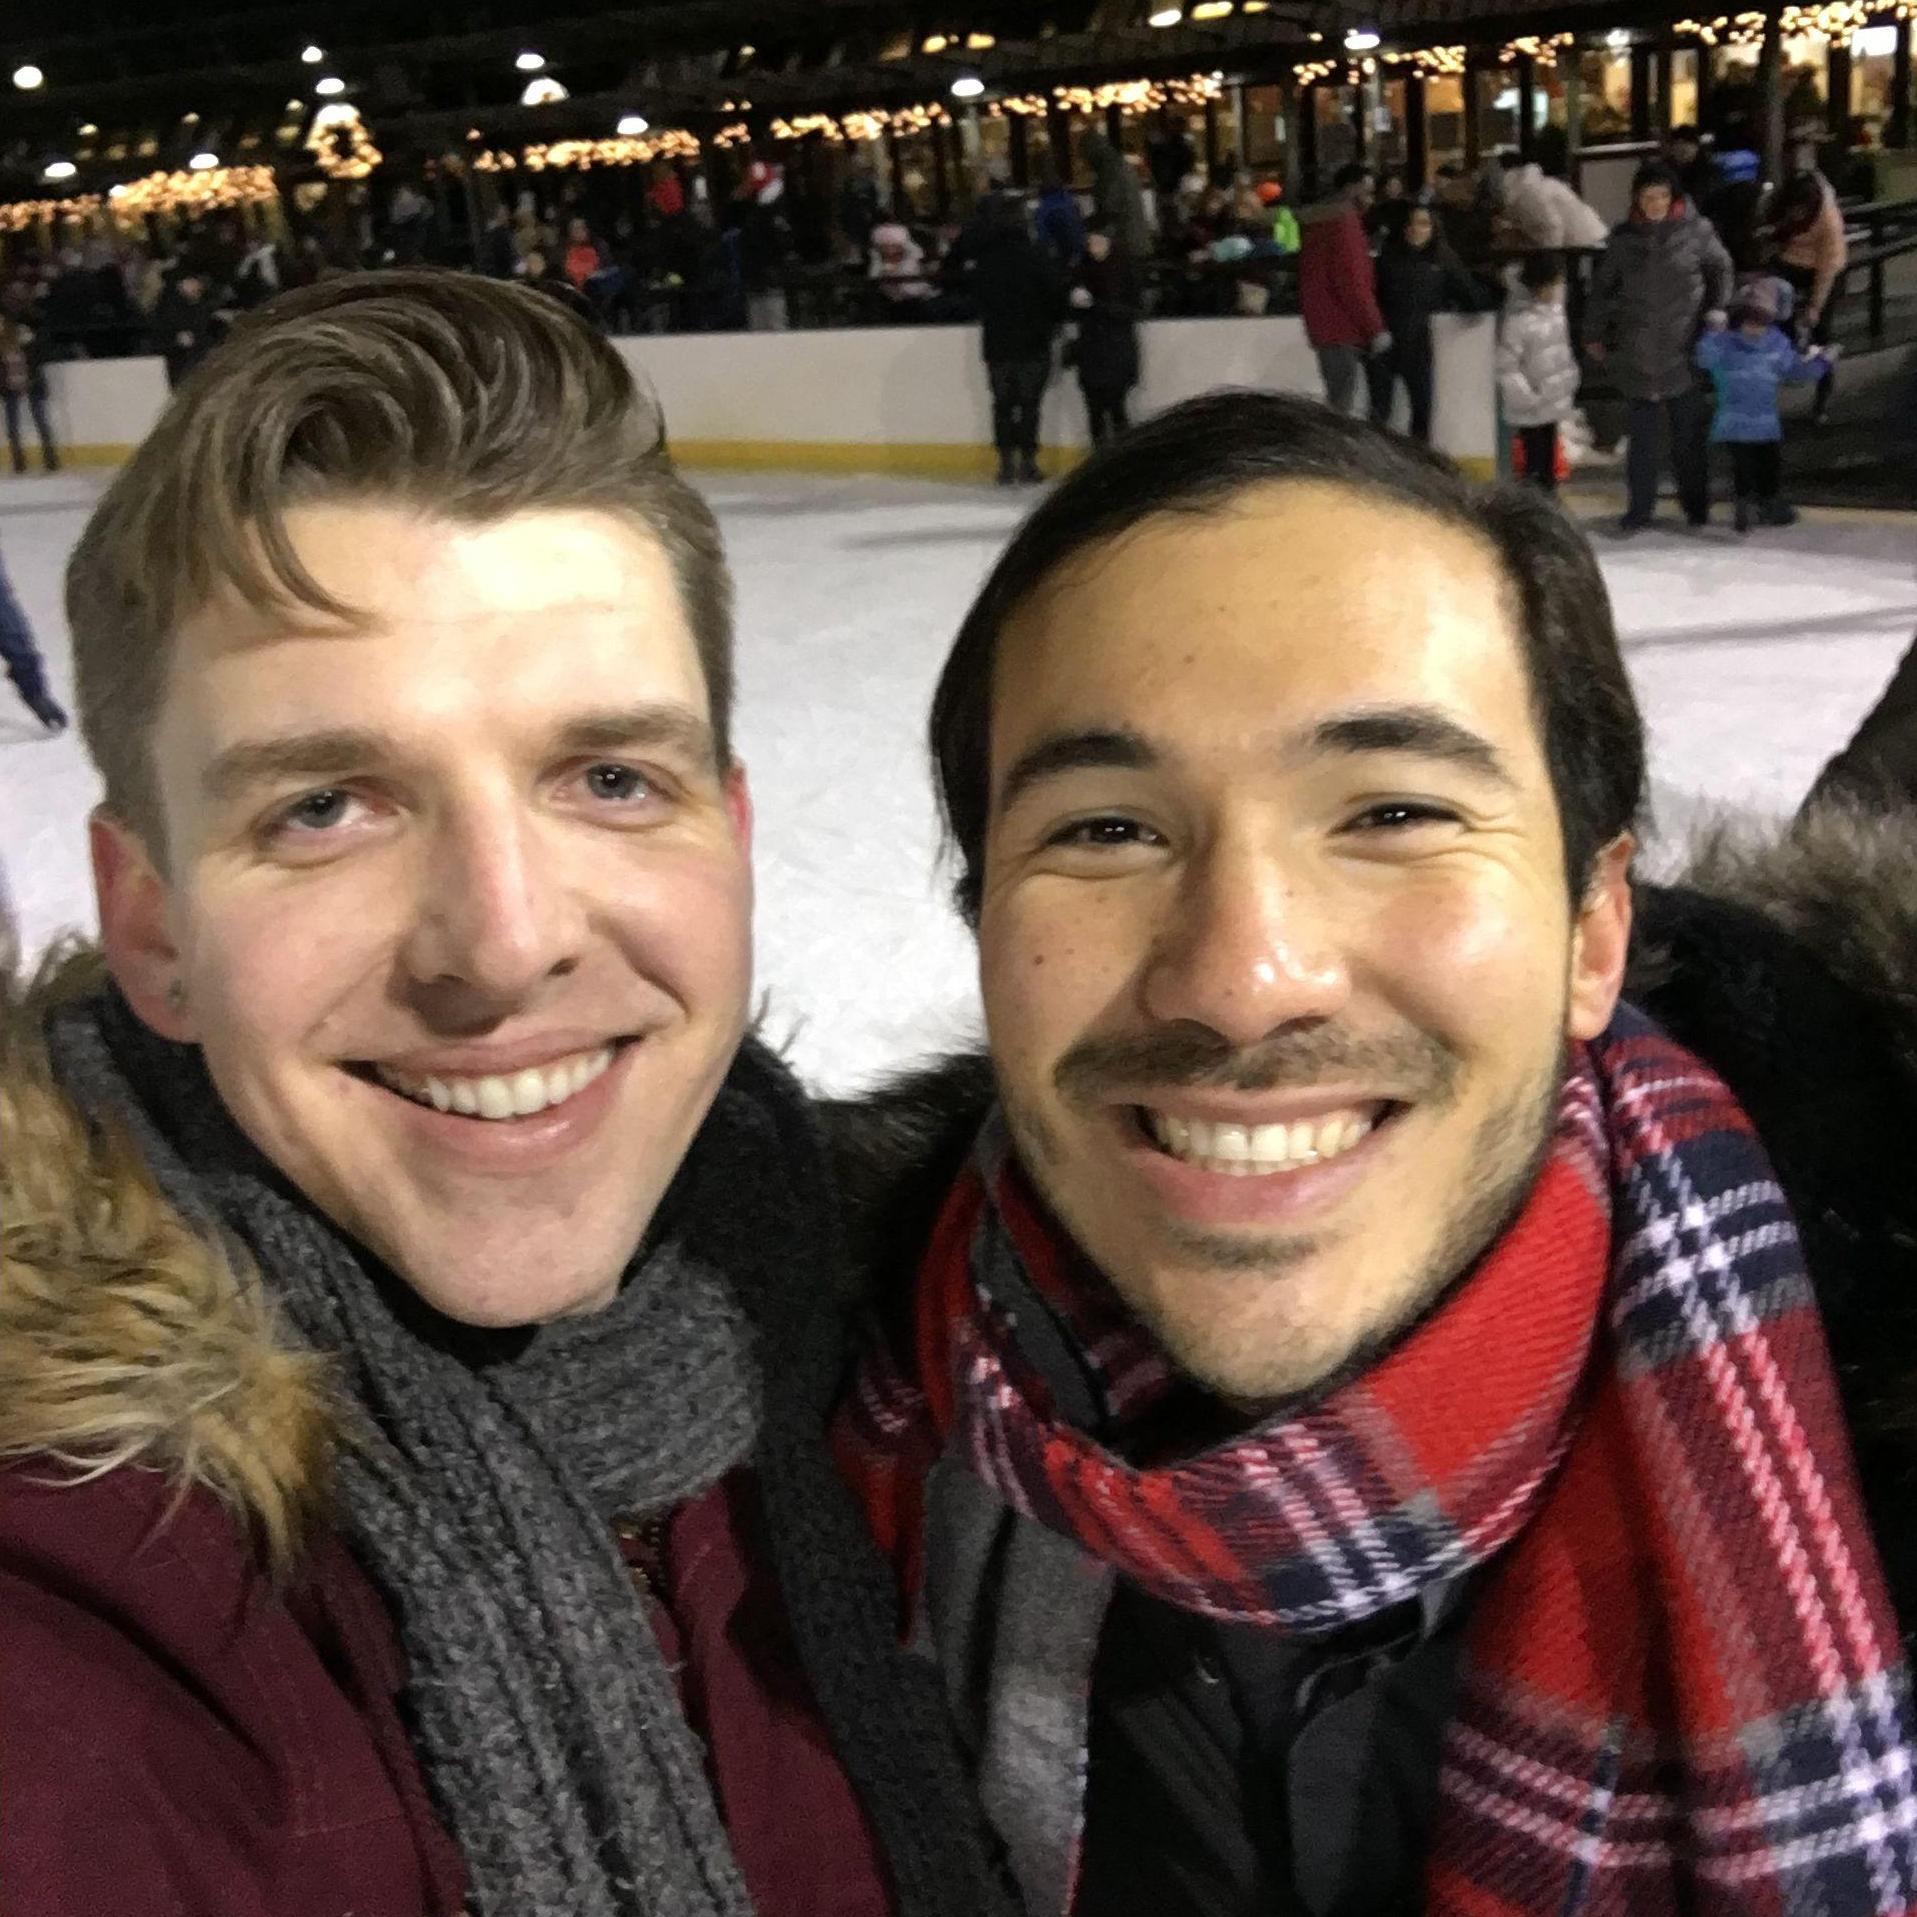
(1246, 946)
(496, 915)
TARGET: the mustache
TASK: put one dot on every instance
(1416, 1066)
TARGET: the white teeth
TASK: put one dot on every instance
(1256, 1151)
(519, 1095)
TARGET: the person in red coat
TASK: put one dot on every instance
(1337, 287)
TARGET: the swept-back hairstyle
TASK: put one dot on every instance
(460, 396)
(1200, 456)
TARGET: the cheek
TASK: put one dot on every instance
(1472, 958)
(684, 921)
(1053, 962)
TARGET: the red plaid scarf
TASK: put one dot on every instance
(1683, 1683)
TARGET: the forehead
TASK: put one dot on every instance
(1293, 601)
(538, 609)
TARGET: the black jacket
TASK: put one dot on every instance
(1415, 282)
(1016, 285)
(1791, 967)
(1106, 350)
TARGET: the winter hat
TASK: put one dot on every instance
(1756, 300)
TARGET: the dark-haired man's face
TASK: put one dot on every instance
(1278, 958)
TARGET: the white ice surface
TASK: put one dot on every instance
(1754, 659)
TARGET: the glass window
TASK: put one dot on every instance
(1387, 147)
(1684, 72)
(1337, 132)
(1497, 108)
(1444, 119)
(1265, 128)
(1873, 83)
(1605, 75)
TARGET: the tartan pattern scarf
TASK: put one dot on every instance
(1683, 1688)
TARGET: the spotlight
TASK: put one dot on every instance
(88, 130)
(27, 78)
(544, 91)
(1211, 10)
(1166, 17)
(530, 62)
(204, 162)
(312, 56)
(631, 125)
(329, 86)
(1360, 40)
(935, 43)
(60, 170)
(968, 86)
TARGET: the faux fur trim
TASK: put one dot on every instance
(125, 1337)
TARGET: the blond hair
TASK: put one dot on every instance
(465, 397)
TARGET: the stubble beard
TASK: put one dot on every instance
(1507, 1154)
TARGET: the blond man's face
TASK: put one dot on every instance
(457, 900)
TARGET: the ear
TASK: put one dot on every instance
(1601, 941)
(739, 805)
(136, 929)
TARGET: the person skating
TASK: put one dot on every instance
(23, 662)
(1019, 292)
(1665, 278)
(418, 1331)
(23, 383)
(1418, 275)
(1748, 363)
(1812, 250)
(1104, 302)
(1538, 372)
(1337, 286)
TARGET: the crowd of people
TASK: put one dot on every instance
(1064, 272)
(1383, 1384)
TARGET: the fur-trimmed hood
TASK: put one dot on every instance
(125, 1335)
(1790, 964)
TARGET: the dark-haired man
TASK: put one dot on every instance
(1337, 285)
(1361, 1440)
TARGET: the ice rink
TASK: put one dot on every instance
(1753, 659)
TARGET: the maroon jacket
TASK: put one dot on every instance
(1336, 282)
(180, 1739)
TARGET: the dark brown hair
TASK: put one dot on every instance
(1198, 457)
(464, 397)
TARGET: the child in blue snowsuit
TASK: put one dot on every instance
(23, 662)
(1748, 362)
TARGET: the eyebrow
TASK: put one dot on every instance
(335, 751)
(1421, 732)
(1415, 731)
(1106, 748)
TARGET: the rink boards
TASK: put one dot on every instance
(879, 399)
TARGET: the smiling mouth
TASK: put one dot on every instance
(1262, 1151)
(498, 1098)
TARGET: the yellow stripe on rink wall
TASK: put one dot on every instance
(931, 460)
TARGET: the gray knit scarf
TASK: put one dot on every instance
(543, 1713)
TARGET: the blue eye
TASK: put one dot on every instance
(317, 811)
(619, 784)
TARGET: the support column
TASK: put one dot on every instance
(1212, 153)
(1058, 127)
(1416, 158)
(1770, 92)
(1574, 114)
(1897, 128)
(1643, 89)
(1307, 187)
(1838, 89)
(1662, 117)
(941, 174)
(1473, 135)
(1017, 150)
(1527, 104)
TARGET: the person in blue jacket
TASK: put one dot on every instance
(1748, 362)
(22, 661)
